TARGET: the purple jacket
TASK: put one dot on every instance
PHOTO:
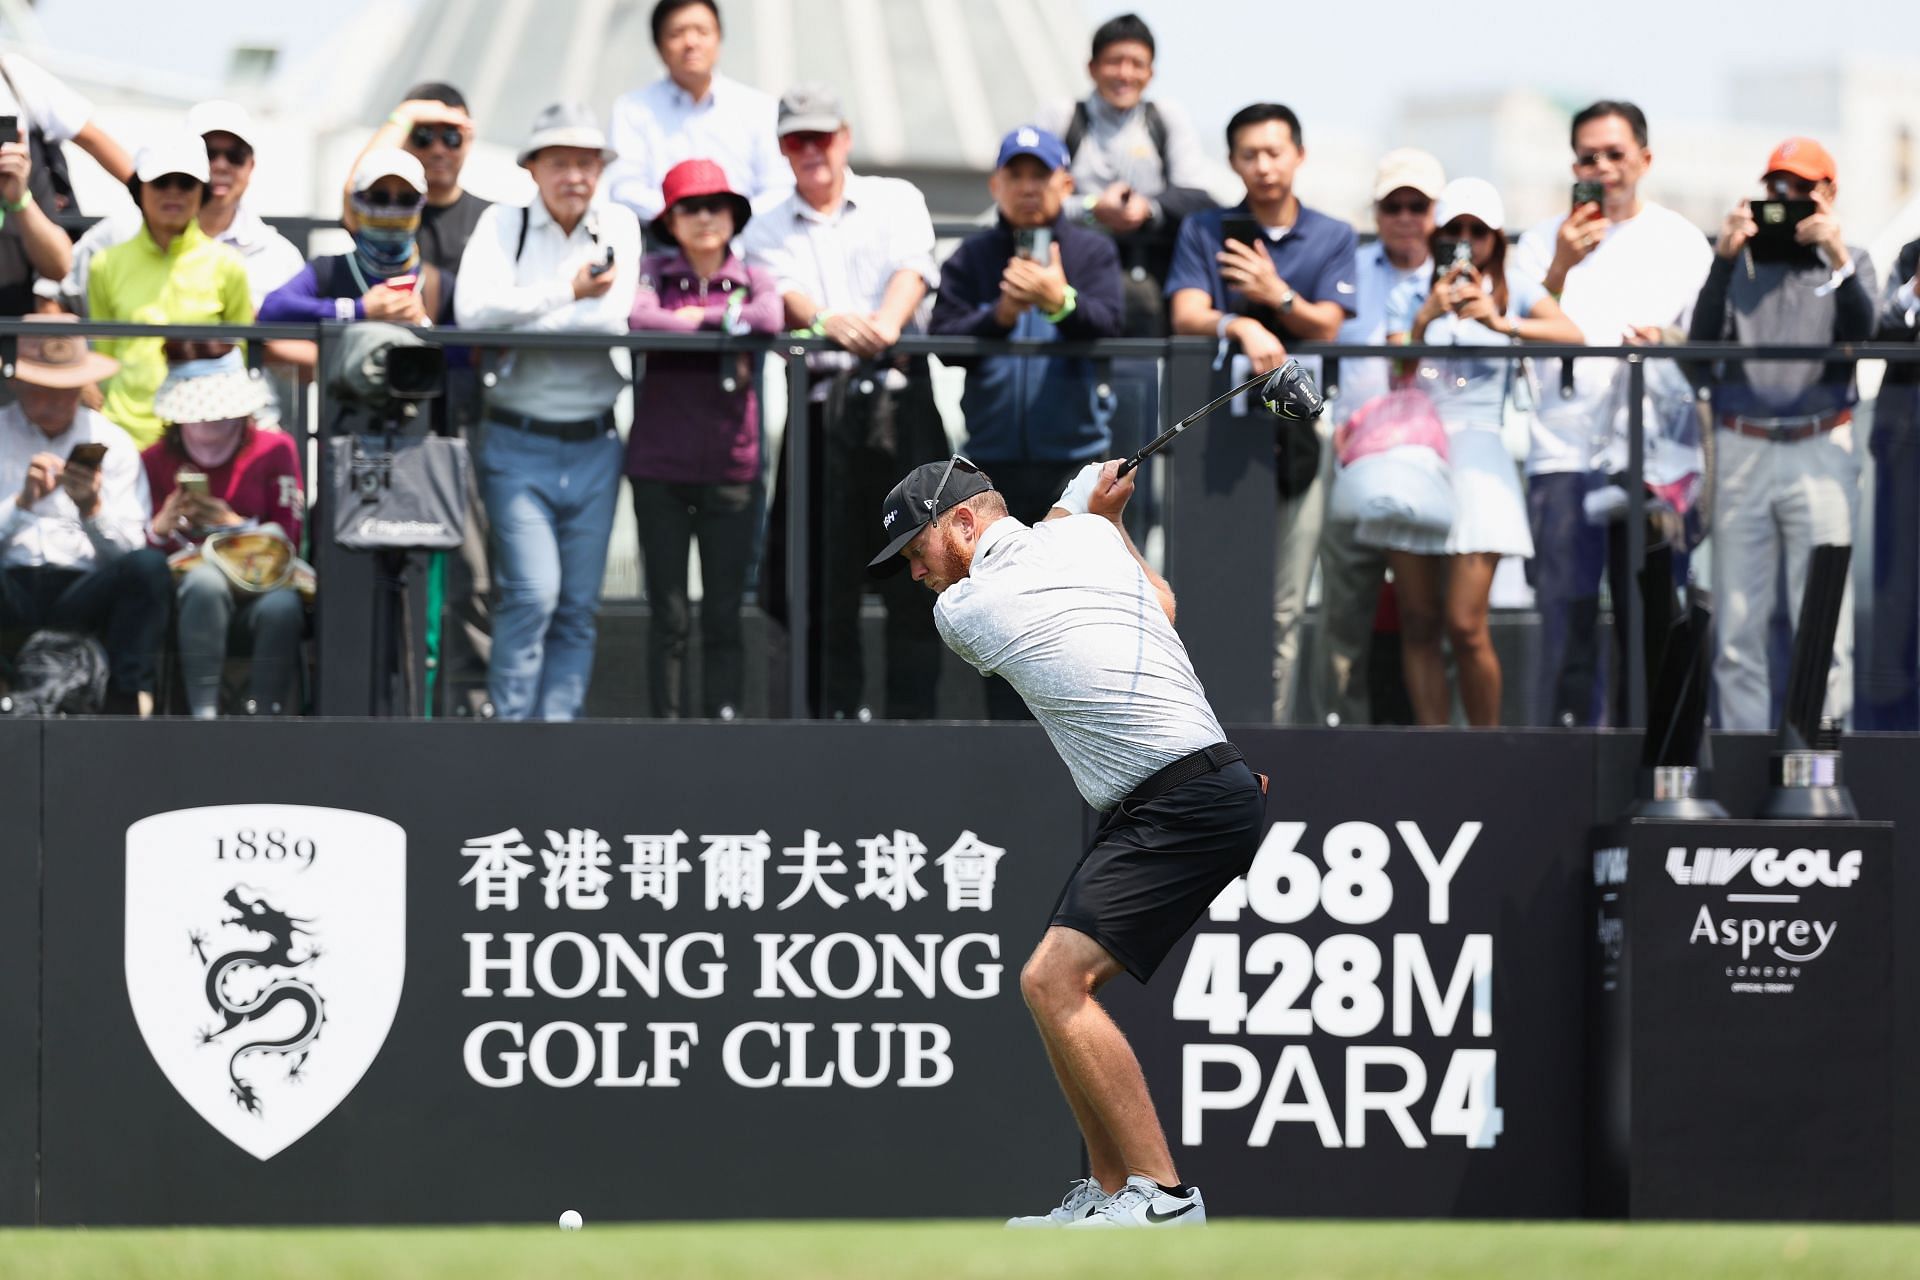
(687, 429)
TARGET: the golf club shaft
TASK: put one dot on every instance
(1165, 438)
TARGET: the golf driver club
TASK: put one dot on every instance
(1287, 392)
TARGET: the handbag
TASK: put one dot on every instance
(1401, 417)
(254, 559)
(398, 493)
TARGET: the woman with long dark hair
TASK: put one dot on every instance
(1443, 584)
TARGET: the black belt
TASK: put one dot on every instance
(1184, 770)
(582, 429)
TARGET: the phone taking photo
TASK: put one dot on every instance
(1774, 225)
(89, 454)
(193, 482)
(1450, 252)
(10, 129)
(1588, 193)
(1246, 230)
(1035, 244)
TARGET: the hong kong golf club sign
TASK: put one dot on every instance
(265, 953)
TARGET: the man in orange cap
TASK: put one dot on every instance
(1787, 477)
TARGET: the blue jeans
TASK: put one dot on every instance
(551, 503)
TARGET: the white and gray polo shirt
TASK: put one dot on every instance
(1063, 613)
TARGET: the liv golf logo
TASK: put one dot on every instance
(265, 952)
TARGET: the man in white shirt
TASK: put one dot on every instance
(854, 258)
(549, 461)
(1405, 187)
(693, 111)
(1623, 269)
(73, 546)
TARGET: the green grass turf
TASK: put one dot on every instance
(900, 1251)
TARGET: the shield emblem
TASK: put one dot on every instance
(266, 950)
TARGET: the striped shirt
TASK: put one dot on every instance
(844, 259)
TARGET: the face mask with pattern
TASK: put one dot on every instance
(385, 243)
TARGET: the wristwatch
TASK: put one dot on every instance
(1286, 302)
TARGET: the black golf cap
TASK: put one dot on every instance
(909, 507)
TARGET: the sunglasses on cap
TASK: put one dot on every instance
(175, 182)
(1415, 204)
(235, 156)
(424, 135)
(959, 460)
(703, 204)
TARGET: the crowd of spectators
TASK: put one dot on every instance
(159, 498)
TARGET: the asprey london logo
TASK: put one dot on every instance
(1769, 929)
(265, 954)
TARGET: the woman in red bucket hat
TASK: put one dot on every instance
(693, 455)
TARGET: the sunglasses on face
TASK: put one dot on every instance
(1394, 208)
(695, 205)
(235, 156)
(1462, 230)
(380, 199)
(175, 182)
(1784, 187)
(794, 143)
(425, 135)
(1588, 159)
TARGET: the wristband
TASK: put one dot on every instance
(394, 117)
(1220, 327)
(819, 326)
(346, 309)
(1079, 490)
(1068, 303)
(26, 198)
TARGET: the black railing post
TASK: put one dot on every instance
(801, 659)
(1633, 608)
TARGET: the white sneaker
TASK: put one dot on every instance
(1141, 1203)
(1083, 1199)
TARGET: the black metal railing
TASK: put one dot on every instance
(1197, 531)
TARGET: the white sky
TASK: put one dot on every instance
(1337, 62)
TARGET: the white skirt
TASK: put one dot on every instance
(1490, 511)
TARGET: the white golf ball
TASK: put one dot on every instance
(571, 1220)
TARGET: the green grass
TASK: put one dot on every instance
(901, 1251)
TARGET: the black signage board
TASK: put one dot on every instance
(1742, 995)
(19, 965)
(418, 973)
(1386, 1018)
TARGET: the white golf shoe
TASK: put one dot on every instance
(1083, 1198)
(1143, 1203)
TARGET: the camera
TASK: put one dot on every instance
(415, 373)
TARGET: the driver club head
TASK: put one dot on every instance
(1289, 393)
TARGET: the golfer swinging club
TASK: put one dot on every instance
(1071, 616)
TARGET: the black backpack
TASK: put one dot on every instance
(58, 673)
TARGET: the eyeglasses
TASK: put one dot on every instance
(235, 156)
(424, 135)
(933, 507)
(1394, 208)
(693, 205)
(806, 140)
(1588, 159)
(175, 182)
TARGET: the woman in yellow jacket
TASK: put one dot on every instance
(170, 273)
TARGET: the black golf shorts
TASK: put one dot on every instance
(1156, 864)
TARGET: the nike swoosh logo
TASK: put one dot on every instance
(1155, 1216)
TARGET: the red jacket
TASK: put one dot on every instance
(261, 481)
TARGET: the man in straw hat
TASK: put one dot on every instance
(73, 547)
(549, 462)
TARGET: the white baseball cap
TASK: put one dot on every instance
(1473, 197)
(173, 153)
(390, 162)
(1409, 167)
(221, 116)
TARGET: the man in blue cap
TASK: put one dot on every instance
(1032, 420)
